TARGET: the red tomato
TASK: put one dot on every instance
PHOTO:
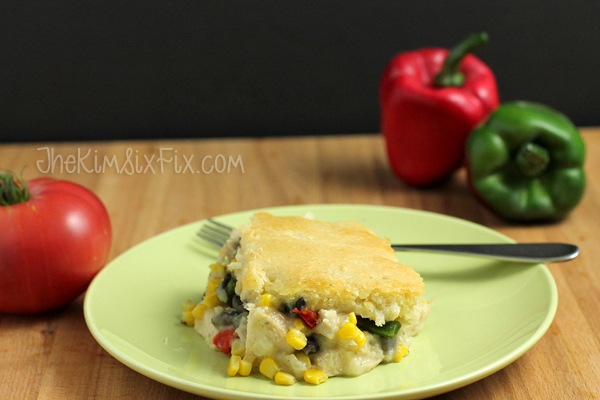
(223, 340)
(51, 246)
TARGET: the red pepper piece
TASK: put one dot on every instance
(430, 100)
(223, 340)
(309, 316)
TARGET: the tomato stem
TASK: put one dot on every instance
(13, 190)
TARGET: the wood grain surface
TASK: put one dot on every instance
(53, 355)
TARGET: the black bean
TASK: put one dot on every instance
(238, 319)
(387, 344)
(226, 281)
(300, 303)
(237, 303)
(226, 318)
(312, 345)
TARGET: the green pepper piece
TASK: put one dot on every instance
(231, 291)
(526, 162)
(389, 330)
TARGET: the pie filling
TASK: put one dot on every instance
(285, 338)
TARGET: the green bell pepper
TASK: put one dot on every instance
(526, 162)
(390, 329)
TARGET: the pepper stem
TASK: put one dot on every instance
(532, 159)
(450, 74)
(12, 190)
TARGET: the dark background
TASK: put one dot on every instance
(83, 70)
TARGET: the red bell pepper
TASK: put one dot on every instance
(431, 99)
(223, 340)
(309, 316)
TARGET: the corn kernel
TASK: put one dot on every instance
(360, 338)
(266, 300)
(234, 260)
(238, 347)
(296, 339)
(299, 324)
(285, 379)
(217, 269)
(199, 310)
(211, 300)
(303, 357)
(213, 285)
(269, 367)
(188, 305)
(234, 365)
(315, 376)
(404, 350)
(188, 318)
(352, 318)
(400, 353)
(245, 367)
(347, 331)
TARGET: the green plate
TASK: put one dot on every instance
(485, 313)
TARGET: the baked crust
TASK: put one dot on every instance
(342, 266)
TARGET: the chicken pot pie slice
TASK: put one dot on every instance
(300, 299)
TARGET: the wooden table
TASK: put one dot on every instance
(53, 355)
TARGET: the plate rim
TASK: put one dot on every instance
(414, 393)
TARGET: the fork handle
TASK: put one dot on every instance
(521, 252)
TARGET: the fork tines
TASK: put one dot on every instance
(215, 233)
(221, 225)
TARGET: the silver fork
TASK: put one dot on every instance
(216, 233)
